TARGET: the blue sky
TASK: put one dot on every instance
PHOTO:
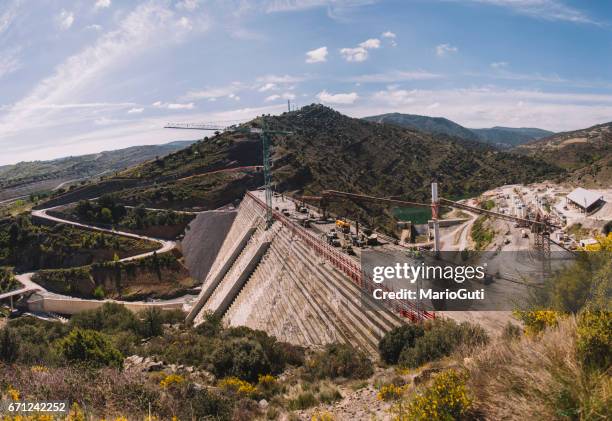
(80, 76)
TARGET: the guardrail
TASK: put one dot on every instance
(347, 266)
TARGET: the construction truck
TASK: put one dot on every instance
(343, 226)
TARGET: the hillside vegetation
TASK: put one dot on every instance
(26, 177)
(108, 213)
(586, 154)
(327, 150)
(501, 137)
(28, 247)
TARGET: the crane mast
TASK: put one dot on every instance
(264, 135)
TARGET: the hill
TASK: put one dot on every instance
(327, 150)
(509, 136)
(586, 154)
(437, 125)
(501, 137)
(26, 177)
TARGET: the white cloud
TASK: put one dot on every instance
(395, 76)
(173, 106)
(554, 10)
(267, 87)
(370, 43)
(212, 93)
(486, 107)
(318, 55)
(189, 5)
(445, 49)
(333, 6)
(9, 61)
(285, 96)
(102, 4)
(65, 20)
(360, 53)
(344, 98)
(282, 79)
(357, 54)
(391, 37)
(185, 23)
(150, 25)
(135, 110)
(94, 27)
(8, 15)
(499, 64)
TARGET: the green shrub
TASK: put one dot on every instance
(211, 326)
(446, 399)
(151, 324)
(90, 347)
(511, 332)
(394, 341)
(339, 360)
(241, 357)
(9, 345)
(99, 292)
(594, 341)
(440, 339)
(304, 400)
(109, 318)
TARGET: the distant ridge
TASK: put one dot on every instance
(24, 178)
(585, 153)
(501, 137)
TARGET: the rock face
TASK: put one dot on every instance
(208, 228)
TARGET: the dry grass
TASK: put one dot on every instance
(539, 378)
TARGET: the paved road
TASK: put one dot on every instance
(166, 245)
(28, 285)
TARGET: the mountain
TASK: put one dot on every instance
(326, 150)
(586, 154)
(26, 177)
(509, 136)
(501, 137)
(437, 125)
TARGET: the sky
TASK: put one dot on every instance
(82, 76)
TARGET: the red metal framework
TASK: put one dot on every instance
(348, 266)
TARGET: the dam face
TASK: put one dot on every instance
(286, 281)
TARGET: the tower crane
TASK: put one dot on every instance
(264, 134)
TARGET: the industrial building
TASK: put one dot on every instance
(585, 200)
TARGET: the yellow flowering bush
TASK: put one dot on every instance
(391, 392)
(39, 369)
(594, 339)
(445, 399)
(171, 380)
(13, 393)
(536, 321)
(322, 416)
(236, 385)
(266, 380)
(604, 243)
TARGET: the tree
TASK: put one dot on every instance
(9, 345)
(106, 215)
(90, 347)
(152, 323)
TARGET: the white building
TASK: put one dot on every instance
(585, 200)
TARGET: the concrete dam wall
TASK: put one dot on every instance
(286, 281)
